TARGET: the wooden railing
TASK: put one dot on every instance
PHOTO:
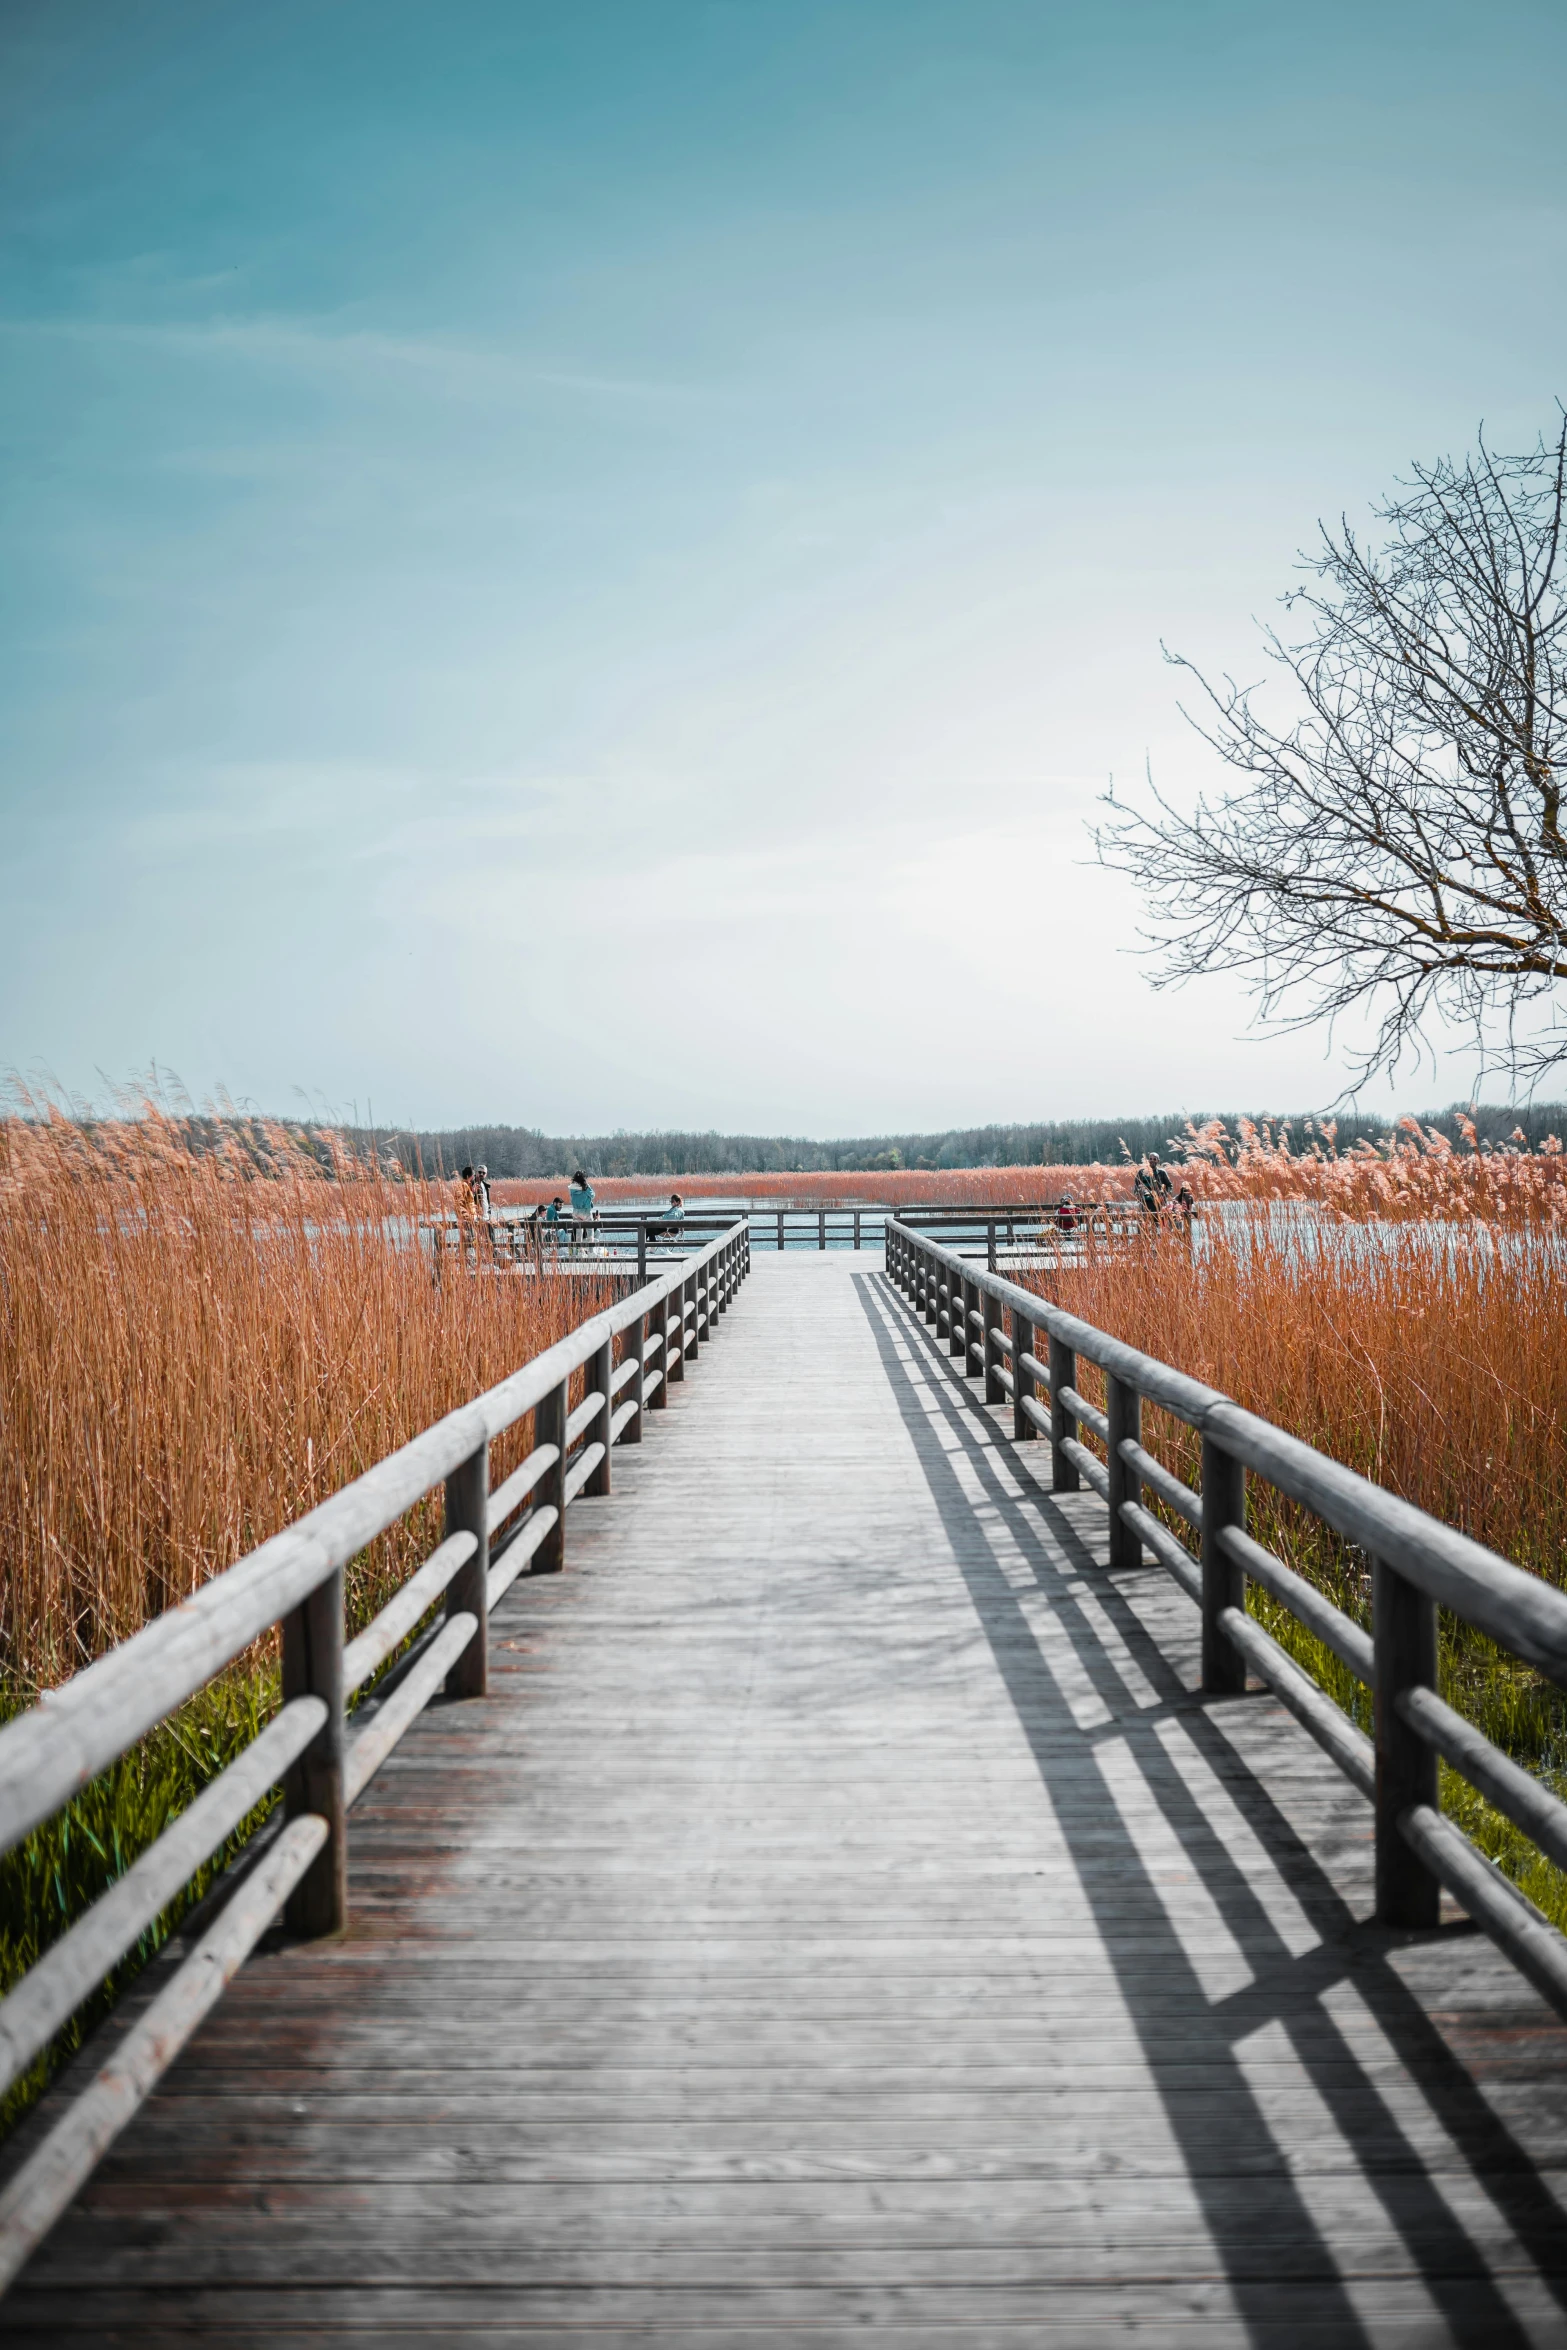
(1418, 1565)
(1054, 1231)
(989, 1224)
(621, 1234)
(323, 1755)
(608, 1242)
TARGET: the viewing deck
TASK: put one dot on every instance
(843, 1914)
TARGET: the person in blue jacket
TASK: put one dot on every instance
(581, 1204)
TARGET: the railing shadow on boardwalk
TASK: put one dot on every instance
(1260, 2223)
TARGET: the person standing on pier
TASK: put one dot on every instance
(581, 1206)
(1152, 1186)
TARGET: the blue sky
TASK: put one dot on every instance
(585, 565)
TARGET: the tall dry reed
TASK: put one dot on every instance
(205, 1328)
(1414, 1174)
(1428, 1357)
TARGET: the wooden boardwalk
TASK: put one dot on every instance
(843, 1916)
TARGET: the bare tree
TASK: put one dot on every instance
(1397, 847)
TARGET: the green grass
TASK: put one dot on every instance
(1518, 1712)
(1512, 1705)
(63, 1867)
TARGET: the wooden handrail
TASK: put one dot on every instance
(1418, 1562)
(72, 1733)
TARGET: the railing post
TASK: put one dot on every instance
(468, 1512)
(1223, 1578)
(994, 1391)
(313, 1667)
(990, 1246)
(636, 1342)
(675, 1343)
(1124, 1410)
(856, 1227)
(821, 1227)
(780, 1231)
(601, 1372)
(658, 1319)
(957, 1298)
(1023, 1429)
(549, 1427)
(641, 1251)
(1403, 1624)
(1064, 1474)
(932, 1299)
(970, 1306)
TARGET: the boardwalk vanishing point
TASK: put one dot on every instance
(842, 1916)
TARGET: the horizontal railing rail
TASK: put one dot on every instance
(1418, 1565)
(323, 1755)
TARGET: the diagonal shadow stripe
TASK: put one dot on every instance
(988, 1504)
(1350, 1952)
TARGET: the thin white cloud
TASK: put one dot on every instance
(324, 348)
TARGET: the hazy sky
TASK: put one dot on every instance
(585, 564)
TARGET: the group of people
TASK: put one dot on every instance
(1154, 1189)
(576, 1214)
(573, 1214)
(1157, 1196)
(473, 1193)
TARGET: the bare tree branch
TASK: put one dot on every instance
(1399, 845)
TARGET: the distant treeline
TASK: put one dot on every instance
(1058, 1142)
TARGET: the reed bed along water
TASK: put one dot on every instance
(904, 1186)
(1413, 1173)
(205, 1329)
(194, 1349)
